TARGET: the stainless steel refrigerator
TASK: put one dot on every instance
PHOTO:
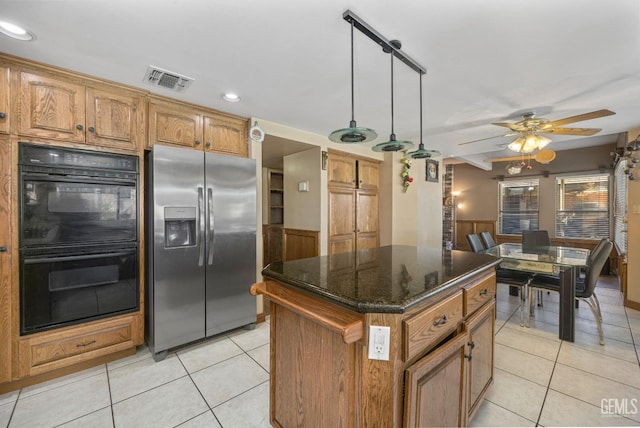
(200, 245)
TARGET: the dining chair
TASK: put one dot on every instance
(504, 276)
(535, 240)
(487, 239)
(475, 243)
(585, 285)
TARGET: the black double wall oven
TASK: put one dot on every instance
(78, 236)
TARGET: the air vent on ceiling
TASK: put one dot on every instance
(167, 79)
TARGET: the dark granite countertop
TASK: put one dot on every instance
(389, 279)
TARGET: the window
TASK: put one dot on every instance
(582, 206)
(518, 208)
(620, 207)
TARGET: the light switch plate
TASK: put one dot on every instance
(379, 340)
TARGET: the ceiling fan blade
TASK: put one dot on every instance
(507, 159)
(509, 125)
(572, 131)
(488, 138)
(578, 118)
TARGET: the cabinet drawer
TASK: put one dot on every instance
(49, 352)
(479, 293)
(426, 328)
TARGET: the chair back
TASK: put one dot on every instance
(597, 249)
(475, 243)
(594, 268)
(487, 239)
(534, 241)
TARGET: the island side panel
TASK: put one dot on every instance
(313, 373)
(382, 382)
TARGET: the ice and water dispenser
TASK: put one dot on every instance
(179, 227)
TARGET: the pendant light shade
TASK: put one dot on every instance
(352, 134)
(421, 153)
(392, 145)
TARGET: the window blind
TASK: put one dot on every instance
(620, 207)
(582, 206)
(519, 206)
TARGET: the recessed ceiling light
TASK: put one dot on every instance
(231, 97)
(16, 32)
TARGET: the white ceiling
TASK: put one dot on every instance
(289, 60)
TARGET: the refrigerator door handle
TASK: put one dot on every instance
(211, 226)
(200, 228)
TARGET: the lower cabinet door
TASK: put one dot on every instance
(480, 328)
(435, 387)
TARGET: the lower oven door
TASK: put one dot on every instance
(69, 286)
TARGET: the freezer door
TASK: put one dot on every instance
(231, 238)
(177, 203)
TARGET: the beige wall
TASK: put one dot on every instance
(302, 209)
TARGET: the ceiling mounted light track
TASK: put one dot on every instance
(352, 134)
(392, 145)
(421, 153)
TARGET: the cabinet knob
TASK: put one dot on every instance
(471, 345)
(484, 292)
(3, 249)
(79, 127)
(468, 357)
(92, 129)
(207, 144)
(3, 115)
(197, 142)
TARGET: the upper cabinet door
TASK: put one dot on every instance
(367, 174)
(5, 96)
(51, 108)
(342, 171)
(175, 126)
(114, 120)
(226, 135)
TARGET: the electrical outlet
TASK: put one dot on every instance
(379, 340)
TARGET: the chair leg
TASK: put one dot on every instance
(595, 298)
(597, 316)
(522, 300)
(540, 301)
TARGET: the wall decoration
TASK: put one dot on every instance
(406, 178)
(432, 170)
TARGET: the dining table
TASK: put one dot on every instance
(565, 262)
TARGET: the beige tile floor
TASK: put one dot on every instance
(224, 382)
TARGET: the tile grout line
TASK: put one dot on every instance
(546, 393)
(113, 416)
(199, 392)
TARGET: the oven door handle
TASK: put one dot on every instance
(79, 179)
(200, 229)
(29, 260)
(210, 225)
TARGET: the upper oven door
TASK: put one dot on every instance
(68, 210)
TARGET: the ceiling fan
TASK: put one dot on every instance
(532, 126)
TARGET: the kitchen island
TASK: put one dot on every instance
(386, 337)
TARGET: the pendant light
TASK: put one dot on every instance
(352, 134)
(421, 153)
(392, 145)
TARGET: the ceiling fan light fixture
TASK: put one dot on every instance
(516, 145)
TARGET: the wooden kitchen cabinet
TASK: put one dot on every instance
(440, 357)
(5, 98)
(60, 108)
(353, 203)
(188, 126)
(6, 315)
(435, 385)
(480, 328)
(44, 352)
